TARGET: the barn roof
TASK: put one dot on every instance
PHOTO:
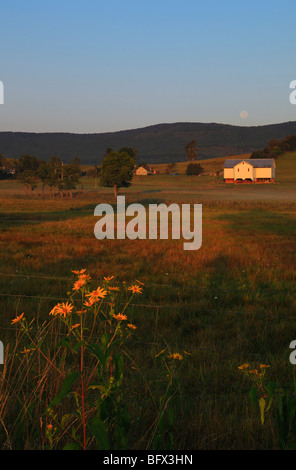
(256, 162)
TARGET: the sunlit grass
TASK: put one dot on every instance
(230, 302)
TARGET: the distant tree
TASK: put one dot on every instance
(275, 151)
(132, 152)
(43, 173)
(108, 151)
(117, 170)
(194, 169)
(93, 172)
(258, 154)
(191, 150)
(69, 177)
(143, 164)
(170, 167)
(27, 171)
(55, 174)
(3, 173)
(276, 147)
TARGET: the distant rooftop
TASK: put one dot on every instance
(256, 162)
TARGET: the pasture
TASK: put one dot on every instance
(231, 302)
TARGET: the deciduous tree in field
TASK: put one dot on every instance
(117, 170)
(43, 174)
(31, 171)
(194, 169)
(70, 175)
(27, 171)
(55, 173)
(191, 150)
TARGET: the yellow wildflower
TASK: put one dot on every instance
(131, 326)
(27, 350)
(97, 294)
(135, 289)
(177, 356)
(120, 317)
(78, 284)
(89, 303)
(244, 366)
(84, 277)
(17, 319)
(79, 272)
(62, 309)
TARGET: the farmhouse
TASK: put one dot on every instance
(142, 171)
(249, 171)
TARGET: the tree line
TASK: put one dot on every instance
(276, 147)
(116, 171)
(60, 178)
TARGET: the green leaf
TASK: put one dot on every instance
(64, 342)
(262, 404)
(66, 388)
(97, 352)
(291, 406)
(97, 387)
(118, 373)
(253, 395)
(98, 430)
(65, 419)
(271, 387)
(105, 338)
(72, 446)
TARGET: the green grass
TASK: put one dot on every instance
(232, 301)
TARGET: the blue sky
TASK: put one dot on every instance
(99, 66)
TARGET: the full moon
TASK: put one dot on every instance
(244, 114)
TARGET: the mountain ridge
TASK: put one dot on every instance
(156, 143)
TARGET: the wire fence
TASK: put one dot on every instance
(153, 306)
(158, 285)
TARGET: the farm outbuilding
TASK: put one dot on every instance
(142, 171)
(249, 171)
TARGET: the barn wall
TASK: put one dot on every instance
(228, 173)
(243, 170)
(263, 172)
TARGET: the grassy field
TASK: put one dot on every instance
(231, 302)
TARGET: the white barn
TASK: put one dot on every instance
(249, 171)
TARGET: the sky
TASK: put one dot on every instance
(92, 66)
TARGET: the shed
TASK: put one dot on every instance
(249, 171)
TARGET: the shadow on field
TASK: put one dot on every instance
(262, 221)
(14, 219)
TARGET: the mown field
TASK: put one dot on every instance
(231, 302)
